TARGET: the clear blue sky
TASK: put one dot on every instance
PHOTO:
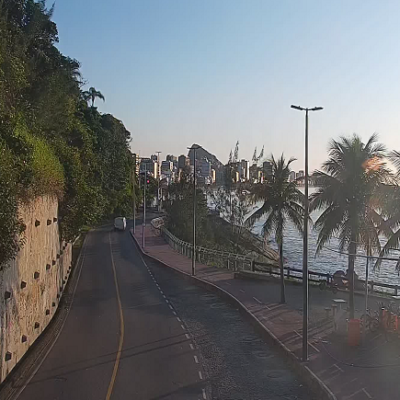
(216, 71)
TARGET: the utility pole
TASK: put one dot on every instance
(158, 181)
(194, 210)
(144, 209)
(305, 236)
(134, 197)
(366, 293)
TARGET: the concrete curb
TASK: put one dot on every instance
(316, 385)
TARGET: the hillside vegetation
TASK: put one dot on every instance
(51, 141)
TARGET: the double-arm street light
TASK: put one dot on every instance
(305, 236)
(194, 148)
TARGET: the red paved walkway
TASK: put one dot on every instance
(349, 373)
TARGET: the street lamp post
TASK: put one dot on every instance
(194, 210)
(144, 210)
(305, 236)
(158, 181)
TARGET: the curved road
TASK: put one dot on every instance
(137, 331)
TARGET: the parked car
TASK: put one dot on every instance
(120, 223)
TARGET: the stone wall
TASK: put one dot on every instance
(32, 284)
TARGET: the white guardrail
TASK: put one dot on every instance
(214, 258)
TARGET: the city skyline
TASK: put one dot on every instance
(217, 72)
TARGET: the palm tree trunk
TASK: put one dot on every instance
(283, 297)
(352, 250)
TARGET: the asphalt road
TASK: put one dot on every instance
(153, 336)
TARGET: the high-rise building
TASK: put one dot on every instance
(166, 166)
(182, 161)
(203, 169)
(300, 174)
(150, 166)
(253, 172)
(213, 176)
(267, 169)
(171, 158)
(237, 176)
(292, 176)
(244, 170)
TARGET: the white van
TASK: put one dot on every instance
(120, 223)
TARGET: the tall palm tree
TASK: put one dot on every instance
(349, 183)
(92, 94)
(282, 201)
(389, 197)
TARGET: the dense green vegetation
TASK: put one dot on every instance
(51, 141)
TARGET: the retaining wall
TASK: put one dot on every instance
(31, 285)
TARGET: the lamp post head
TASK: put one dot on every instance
(297, 108)
(306, 109)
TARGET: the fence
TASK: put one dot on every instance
(215, 258)
(236, 262)
(317, 277)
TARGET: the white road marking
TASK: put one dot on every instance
(336, 366)
(196, 360)
(357, 392)
(204, 393)
(182, 327)
(173, 312)
(178, 319)
(366, 393)
(242, 290)
(227, 283)
(187, 336)
(169, 305)
(200, 375)
(191, 346)
(258, 301)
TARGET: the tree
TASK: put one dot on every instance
(51, 142)
(282, 201)
(92, 94)
(349, 183)
(389, 200)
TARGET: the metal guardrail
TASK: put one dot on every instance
(214, 258)
(315, 276)
(236, 262)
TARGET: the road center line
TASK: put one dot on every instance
(122, 327)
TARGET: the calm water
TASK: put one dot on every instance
(327, 260)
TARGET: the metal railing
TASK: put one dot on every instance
(317, 277)
(214, 258)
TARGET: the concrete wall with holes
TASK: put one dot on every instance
(32, 284)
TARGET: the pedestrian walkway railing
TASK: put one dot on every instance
(317, 277)
(214, 258)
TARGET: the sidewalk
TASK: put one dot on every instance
(369, 372)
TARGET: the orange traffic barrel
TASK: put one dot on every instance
(354, 332)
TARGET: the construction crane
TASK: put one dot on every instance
(256, 158)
